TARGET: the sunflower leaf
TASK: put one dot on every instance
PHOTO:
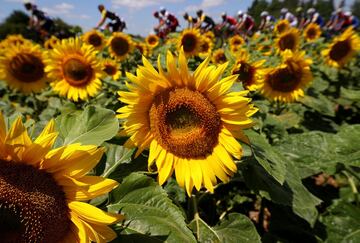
(92, 126)
(148, 210)
(236, 228)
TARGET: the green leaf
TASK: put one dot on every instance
(320, 103)
(269, 159)
(148, 210)
(92, 126)
(115, 156)
(353, 95)
(236, 228)
(342, 222)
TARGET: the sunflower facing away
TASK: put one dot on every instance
(190, 41)
(51, 42)
(219, 57)
(206, 47)
(342, 48)
(22, 67)
(43, 190)
(120, 45)
(152, 41)
(74, 69)
(282, 26)
(288, 40)
(111, 68)
(236, 40)
(249, 73)
(95, 38)
(312, 32)
(286, 83)
(189, 121)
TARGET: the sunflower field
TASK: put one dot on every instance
(196, 138)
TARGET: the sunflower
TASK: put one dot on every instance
(23, 68)
(206, 47)
(209, 34)
(342, 48)
(189, 121)
(142, 48)
(94, 38)
(120, 45)
(190, 41)
(16, 40)
(51, 42)
(282, 26)
(288, 40)
(219, 56)
(312, 32)
(249, 73)
(42, 190)
(152, 41)
(111, 68)
(236, 50)
(236, 40)
(286, 83)
(74, 69)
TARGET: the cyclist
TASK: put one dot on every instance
(39, 20)
(314, 17)
(300, 15)
(190, 20)
(245, 22)
(204, 22)
(171, 21)
(267, 21)
(353, 20)
(160, 29)
(228, 22)
(285, 14)
(115, 22)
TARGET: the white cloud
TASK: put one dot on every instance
(62, 8)
(141, 3)
(205, 4)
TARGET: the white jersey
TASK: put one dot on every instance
(291, 18)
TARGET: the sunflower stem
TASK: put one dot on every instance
(196, 216)
(353, 187)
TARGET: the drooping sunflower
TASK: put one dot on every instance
(43, 190)
(312, 32)
(249, 73)
(206, 47)
(74, 69)
(342, 48)
(120, 45)
(111, 68)
(51, 42)
(189, 121)
(95, 38)
(190, 41)
(288, 40)
(23, 68)
(286, 82)
(282, 26)
(236, 40)
(142, 48)
(152, 41)
(219, 56)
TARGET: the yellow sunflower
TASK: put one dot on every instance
(282, 26)
(16, 40)
(249, 73)
(95, 38)
(23, 68)
(206, 47)
(342, 48)
(210, 35)
(265, 49)
(142, 48)
(219, 57)
(288, 40)
(43, 191)
(51, 42)
(152, 41)
(74, 69)
(189, 121)
(111, 68)
(190, 41)
(120, 45)
(312, 32)
(236, 40)
(286, 83)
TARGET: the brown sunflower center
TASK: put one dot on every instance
(282, 27)
(32, 205)
(188, 42)
(220, 58)
(205, 46)
(120, 46)
(27, 68)
(95, 40)
(340, 50)
(237, 42)
(152, 40)
(284, 80)
(77, 72)
(246, 74)
(287, 42)
(110, 70)
(311, 33)
(185, 123)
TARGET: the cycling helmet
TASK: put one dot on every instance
(199, 12)
(264, 14)
(311, 11)
(284, 10)
(347, 13)
(240, 13)
(223, 14)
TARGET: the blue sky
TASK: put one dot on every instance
(137, 13)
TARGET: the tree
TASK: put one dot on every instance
(355, 8)
(256, 8)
